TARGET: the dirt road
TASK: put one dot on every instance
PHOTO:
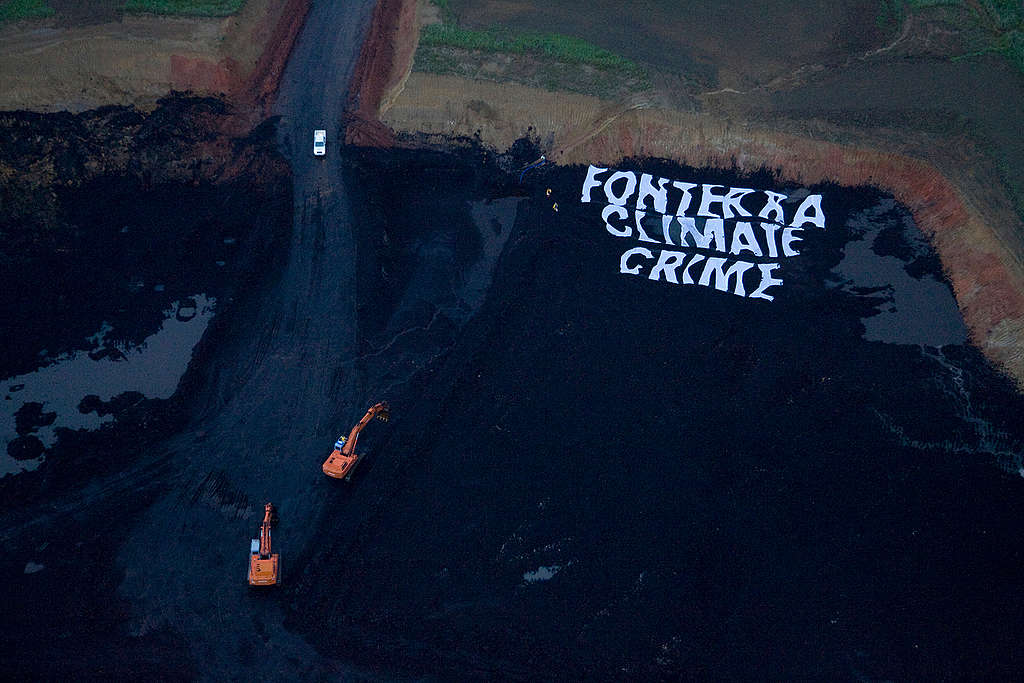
(275, 398)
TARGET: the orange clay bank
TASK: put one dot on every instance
(343, 460)
(264, 566)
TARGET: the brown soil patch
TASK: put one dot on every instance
(275, 33)
(90, 55)
(203, 75)
(718, 44)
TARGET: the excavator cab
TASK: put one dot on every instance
(264, 566)
(342, 461)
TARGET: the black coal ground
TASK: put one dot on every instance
(70, 515)
(715, 485)
(594, 474)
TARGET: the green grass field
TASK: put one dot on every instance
(13, 10)
(1001, 22)
(448, 48)
(1004, 21)
(555, 46)
(203, 8)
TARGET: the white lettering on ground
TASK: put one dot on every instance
(728, 222)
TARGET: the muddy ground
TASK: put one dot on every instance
(597, 473)
(586, 472)
(589, 474)
(74, 265)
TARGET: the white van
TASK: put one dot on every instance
(319, 142)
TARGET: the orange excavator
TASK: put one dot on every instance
(264, 566)
(343, 460)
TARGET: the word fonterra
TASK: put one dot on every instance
(730, 221)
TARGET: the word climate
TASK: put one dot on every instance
(734, 237)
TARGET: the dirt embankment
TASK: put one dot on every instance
(973, 228)
(94, 60)
(384, 63)
(147, 166)
(181, 141)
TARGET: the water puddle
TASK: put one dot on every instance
(882, 261)
(541, 574)
(494, 221)
(52, 396)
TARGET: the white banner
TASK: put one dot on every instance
(722, 229)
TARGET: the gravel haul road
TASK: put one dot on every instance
(273, 396)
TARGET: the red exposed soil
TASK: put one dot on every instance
(252, 95)
(263, 82)
(385, 57)
(202, 75)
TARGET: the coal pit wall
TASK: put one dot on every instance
(184, 192)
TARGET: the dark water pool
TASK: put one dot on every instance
(103, 308)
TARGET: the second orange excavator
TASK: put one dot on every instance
(343, 460)
(264, 566)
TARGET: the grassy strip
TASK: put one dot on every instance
(547, 74)
(1002, 21)
(447, 13)
(13, 10)
(552, 45)
(203, 8)
(890, 14)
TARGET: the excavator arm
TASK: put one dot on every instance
(342, 461)
(264, 565)
(268, 520)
